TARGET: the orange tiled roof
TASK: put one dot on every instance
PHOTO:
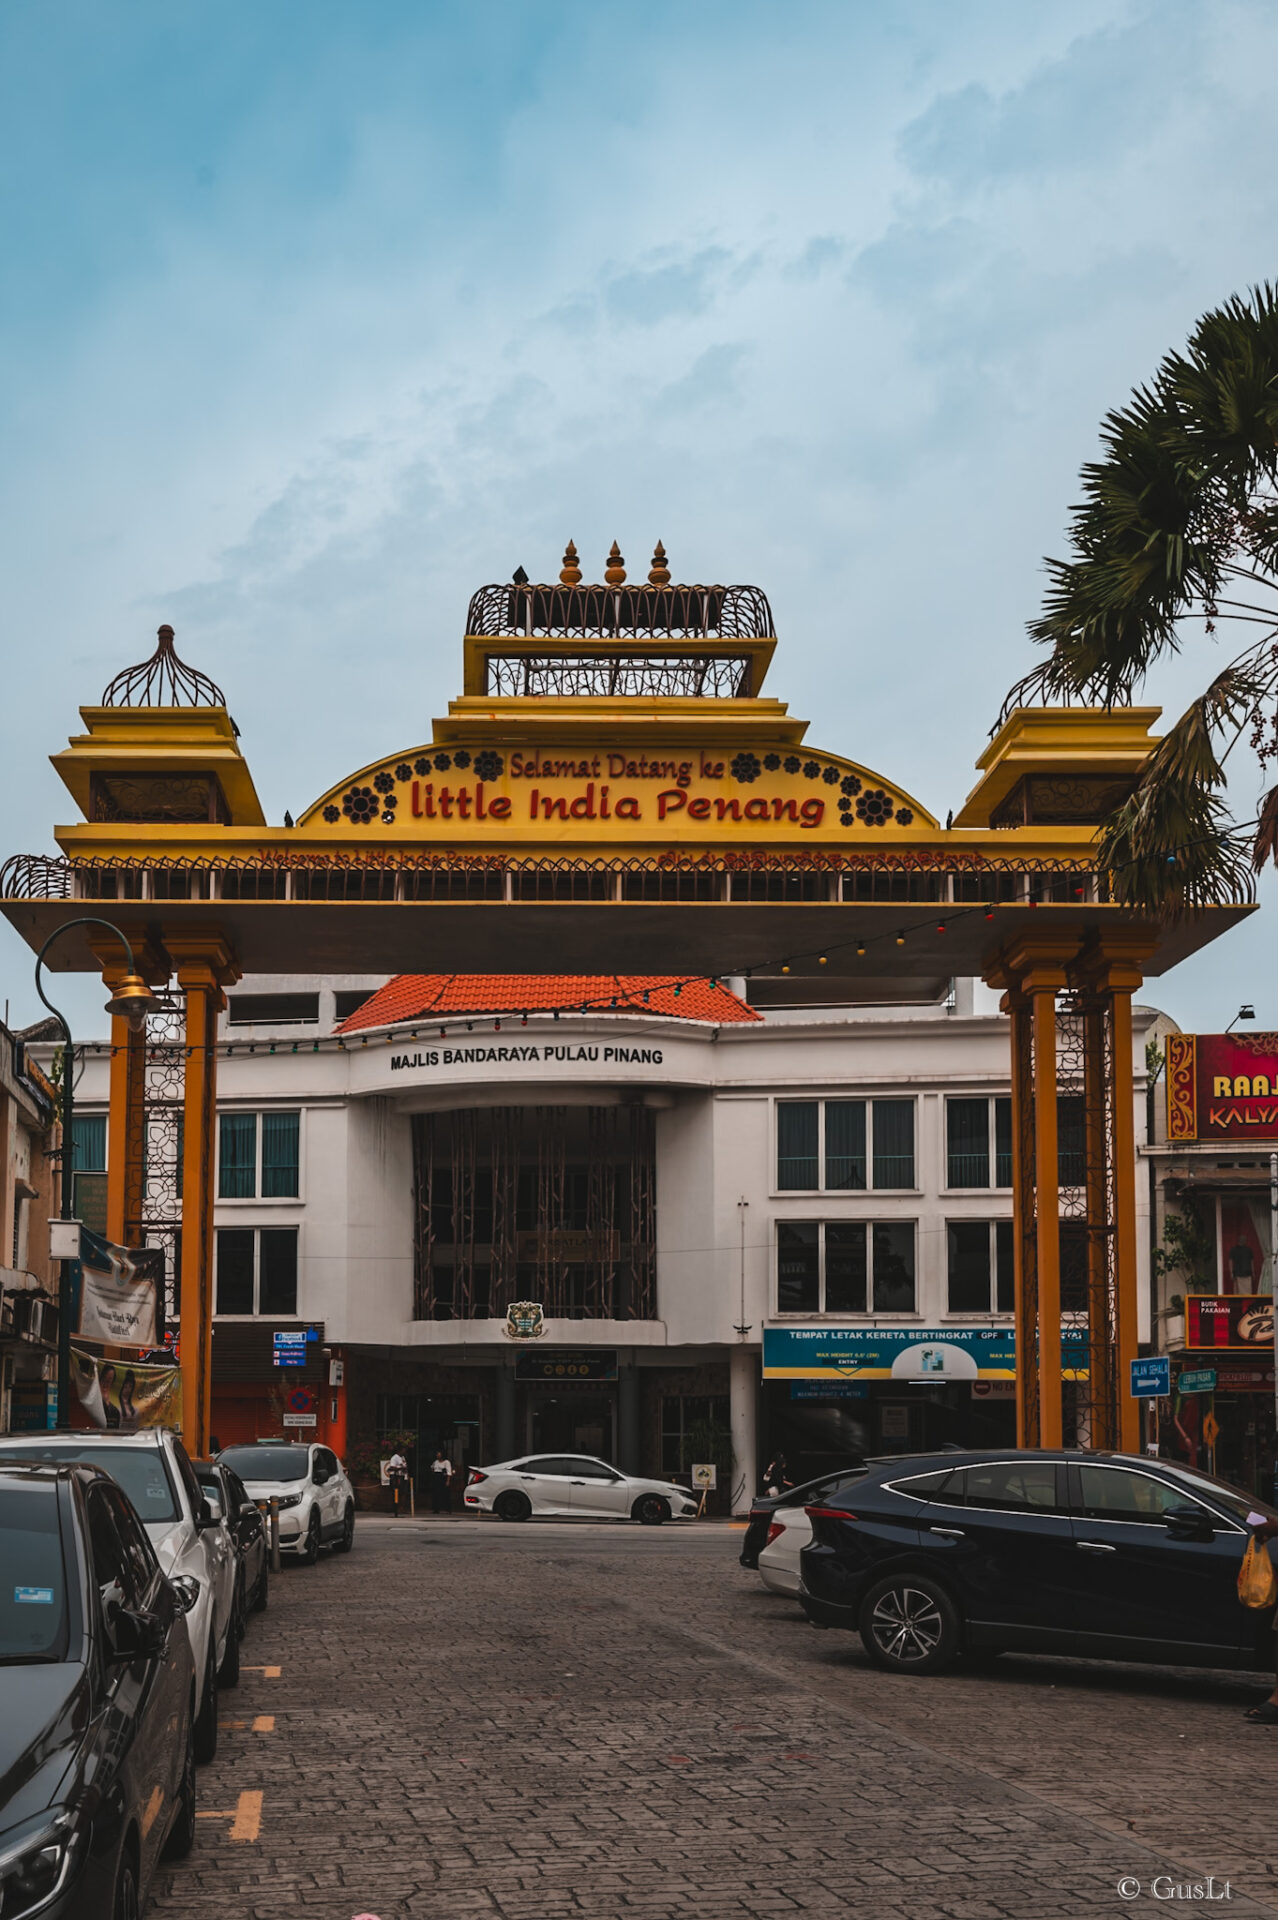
(424, 996)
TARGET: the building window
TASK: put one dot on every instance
(845, 1266)
(694, 1427)
(821, 1145)
(981, 1273)
(978, 1134)
(89, 1137)
(255, 1160)
(1071, 1139)
(257, 1270)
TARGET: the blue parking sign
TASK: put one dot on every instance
(1151, 1379)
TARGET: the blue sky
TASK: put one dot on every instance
(315, 317)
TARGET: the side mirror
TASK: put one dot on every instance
(187, 1590)
(247, 1507)
(320, 1477)
(203, 1516)
(1188, 1523)
(135, 1635)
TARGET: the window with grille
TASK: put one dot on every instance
(844, 1146)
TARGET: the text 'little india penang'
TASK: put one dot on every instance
(598, 802)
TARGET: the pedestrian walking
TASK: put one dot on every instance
(441, 1482)
(775, 1477)
(1266, 1713)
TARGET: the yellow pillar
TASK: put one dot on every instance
(1100, 1264)
(1123, 979)
(203, 963)
(1042, 985)
(1016, 1006)
(126, 1114)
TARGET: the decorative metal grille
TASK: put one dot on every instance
(603, 612)
(581, 1181)
(163, 1078)
(700, 676)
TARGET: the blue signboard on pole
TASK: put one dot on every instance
(1151, 1379)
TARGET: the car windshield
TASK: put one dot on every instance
(33, 1588)
(1232, 1498)
(812, 1490)
(139, 1470)
(267, 1463)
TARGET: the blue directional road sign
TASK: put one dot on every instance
(1151, 1379)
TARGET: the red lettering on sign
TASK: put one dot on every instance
(628, 808)
(670, 801)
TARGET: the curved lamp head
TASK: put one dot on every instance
(134, 999)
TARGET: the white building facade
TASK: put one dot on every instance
(704, 1210)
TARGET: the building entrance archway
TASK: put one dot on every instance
(613, 795)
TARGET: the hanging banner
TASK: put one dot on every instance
(124, 1397)
(118, 1292)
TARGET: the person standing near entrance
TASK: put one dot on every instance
(397, 1477)
(441, 1481)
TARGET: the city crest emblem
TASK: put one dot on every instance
(525, 1320)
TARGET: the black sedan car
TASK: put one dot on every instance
(1109, 1556)
(764, 1506)
(97, 1755)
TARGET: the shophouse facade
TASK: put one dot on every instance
(700, 1199)
(28, 1281)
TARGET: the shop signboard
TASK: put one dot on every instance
(561, 1368)
(1222, 1086)
(1245, 1379)
(905, 1353)
(829, 1390)
(1241, 1321)
(1197, 1380)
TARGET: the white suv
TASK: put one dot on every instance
(317, 1501)
(154, 1469)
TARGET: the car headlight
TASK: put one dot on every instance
(35, 1860)
(290, 1500)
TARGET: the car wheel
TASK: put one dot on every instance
(512, 1506)
(125, 1906)
(181, 1835)
(347, 1540)
(228, 1674)
(310, 1553)
(262, 1588)
(909, 1625)
(206, 1719)
(650, 1510)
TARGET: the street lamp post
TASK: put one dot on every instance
(132, 998)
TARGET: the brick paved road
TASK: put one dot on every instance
(546, 1721)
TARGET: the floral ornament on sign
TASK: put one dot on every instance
(422, 765)
(332, 815)
(904, 816)
(772, 761)
(403, 771)
(384, 782)
(831, 776)
(792, 763)
(811, 768)
(388, 819)
(461, 758)
(361, 805)
(442, 763)
(488, 765)
(745, 767)
(874, 807)
(849, 784)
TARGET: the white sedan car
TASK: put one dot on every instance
(789, 1531)
(573, 1486)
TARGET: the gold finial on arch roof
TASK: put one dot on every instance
(615, 571)
(570, 572)
(659, 572)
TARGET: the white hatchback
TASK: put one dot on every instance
(316, 1500)
(576, 1487)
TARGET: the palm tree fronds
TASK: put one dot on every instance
(1265, 845)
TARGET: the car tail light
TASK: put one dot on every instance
(773, 1531)
(475, 1477)
(828, 1513)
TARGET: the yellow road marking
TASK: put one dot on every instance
(264, 1723)
(152, 1810)
(245, 1817)
(267, 1673)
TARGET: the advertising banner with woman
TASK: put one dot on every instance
(125, 1395)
